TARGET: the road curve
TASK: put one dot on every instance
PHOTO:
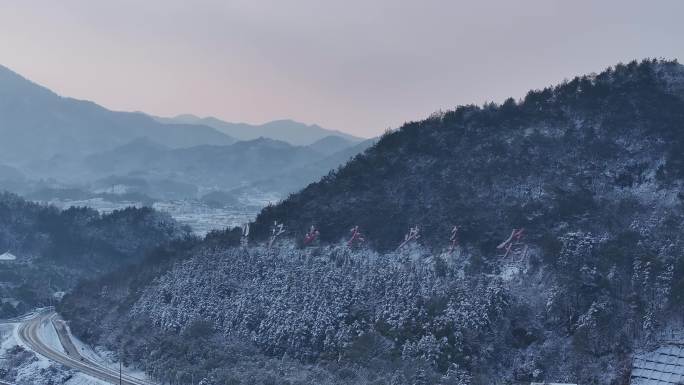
(28, 333)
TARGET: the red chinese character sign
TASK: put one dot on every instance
(412, 236)
(357, 237)
(514, 244)
(277, 230)
(244, 239)
(454, 240)
(312, 236)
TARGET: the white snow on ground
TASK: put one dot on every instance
(40, 370)
(30, 371)
(15, 340)
(48, 334)
(6, 338)
(104, 358)
(82, 379)
(26, 316)
(508, 272)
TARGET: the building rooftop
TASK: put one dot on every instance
(663, 366)
(7, 256)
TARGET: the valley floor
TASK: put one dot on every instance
(200, 217)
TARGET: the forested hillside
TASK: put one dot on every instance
(592, 170)
(55, 248)
(562, 154)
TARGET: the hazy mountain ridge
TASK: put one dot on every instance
(293, 180)
(52, 142)
(36, 123)
(225, 167)
(331, 144)
(290, 131)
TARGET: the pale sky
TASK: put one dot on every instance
(359, 66)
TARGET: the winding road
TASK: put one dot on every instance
(28, 333)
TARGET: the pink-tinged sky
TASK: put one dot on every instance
(355, 65)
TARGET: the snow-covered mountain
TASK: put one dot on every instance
(550, 158)
(589, 176)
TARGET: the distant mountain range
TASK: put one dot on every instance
(221, 166)
(291, 179)
(78, 145)
(331, 144)
(266, 164)
(36, 123)
(143, 166)
(286, 130)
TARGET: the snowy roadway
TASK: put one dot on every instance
(69, 355)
